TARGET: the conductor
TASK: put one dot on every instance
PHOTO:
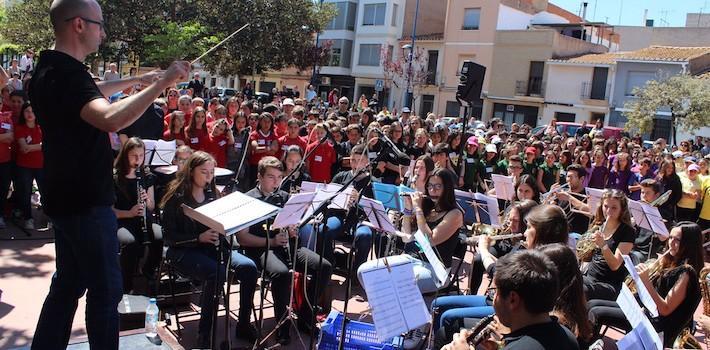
(73, 110)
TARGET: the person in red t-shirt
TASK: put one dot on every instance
(281, 127)
(320, 162)
(29, 161)
(291, 138)
(196, 134)
(220, 138)
(172, 101)
(6, 140)
(176, 129)
(185, 106)
(263, 142)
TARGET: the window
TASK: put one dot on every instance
(637, 79)
(471, 19)
(374, 14)
(433, 57)
(345, 18)
(599, 83)
(369, 55)
(394, 14)
(427, 104)
(661, 128)
(453, 109)
(565, 117)
(340, 53)
(535, 80)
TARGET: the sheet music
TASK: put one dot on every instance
(228, 214)
(162, 152)
(643, 294)
(325, 191)
(389, 195)
(634, 314)
(439, 270)
(638, 214)
(655, 220)
(504, 187)
(294, 210)
(397, 305)
(594, 198)
(491, 207)
(377, 215)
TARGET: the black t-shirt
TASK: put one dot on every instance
(196, 86)
(543, 336)
(127, 197)
(278, 198)
(149, 126)
(78, 160)
(599, 269)
(672, 324)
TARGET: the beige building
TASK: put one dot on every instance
(636, 38)
(518, 78)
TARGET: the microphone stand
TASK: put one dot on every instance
(234, 182)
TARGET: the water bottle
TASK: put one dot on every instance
(151, 319)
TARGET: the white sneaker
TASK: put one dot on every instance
(29, 224)
(2, 223)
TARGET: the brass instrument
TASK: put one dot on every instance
(685, 339)
(661, 199)
(654, 269)
(586, 245)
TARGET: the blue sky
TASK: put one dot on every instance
(664, 13)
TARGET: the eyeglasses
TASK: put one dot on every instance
(342, 103)
(98, 23)
(434, 186)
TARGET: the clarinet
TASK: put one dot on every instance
(278, 201)
(139, 199)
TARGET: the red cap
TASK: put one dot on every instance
(530, 149)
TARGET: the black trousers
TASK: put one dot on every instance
(307, 262)
(595, 289)
(606, 313)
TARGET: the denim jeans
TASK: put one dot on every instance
(24, 188)
(87, 261)
(363, 240)
(200, 263)
(451, 310)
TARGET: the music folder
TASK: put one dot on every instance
(232, 213)
(478, 208)
(390, 195)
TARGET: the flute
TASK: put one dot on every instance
(409, 194)
(474, 239)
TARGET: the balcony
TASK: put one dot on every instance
(534, 87)
(587, 92)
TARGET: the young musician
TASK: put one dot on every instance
(29, 161)
(614, 236)
(527, 287)
(438, 217)
(648, 243)
(192, 246)
(545, 224)
(135, 203)
(292, 157)
(674, 288)
(423, 166)
(263, 141)
(579, 223)
(279, 251)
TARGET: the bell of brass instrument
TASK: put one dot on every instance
(705, 290)
(654, 269)
(685, 339)
(662, 199)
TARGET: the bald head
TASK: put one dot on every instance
(61, 10)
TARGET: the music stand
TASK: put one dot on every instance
(505, 189)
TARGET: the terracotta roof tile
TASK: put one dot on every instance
(602, 58)
(666, 53)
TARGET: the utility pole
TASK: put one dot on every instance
(410, 94)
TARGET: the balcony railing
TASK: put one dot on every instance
(587, 93)
(534, 87)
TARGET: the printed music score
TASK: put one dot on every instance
(397, 305)
(325, 192)
(504, 187)
(648, 217)
(440, 271)
(377, 215)
(640, 287)
(390, 195)
(159, 152)
(227, 215)
(478, 208)
(594, 198)
(642, 336)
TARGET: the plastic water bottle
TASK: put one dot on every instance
(151, 319)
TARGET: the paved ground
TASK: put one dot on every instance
(26, 267)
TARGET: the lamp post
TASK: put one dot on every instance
(409, 94)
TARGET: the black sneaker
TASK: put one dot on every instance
(246, 331)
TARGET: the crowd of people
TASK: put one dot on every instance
(543, 293)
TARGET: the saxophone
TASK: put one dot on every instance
(685, 339)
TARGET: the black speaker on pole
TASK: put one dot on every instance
(471, 82)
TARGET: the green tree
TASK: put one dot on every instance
(176, 42)
(26, 24)
(687, 99)
(280, 35)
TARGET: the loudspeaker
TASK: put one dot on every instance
(471, 82)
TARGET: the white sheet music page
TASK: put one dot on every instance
(293, 210)
(655, 220)
(439, 269)
(634, 314)
(413, 305)
(387, 313)
(236, 211)
(594, 197)
(638, 215)
(492, 208)
(164, 152)
(504, 186)
(640, 287)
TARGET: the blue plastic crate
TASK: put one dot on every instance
(358, 335)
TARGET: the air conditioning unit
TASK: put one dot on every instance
(325, 80)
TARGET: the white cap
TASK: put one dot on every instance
(491, 148)
(288, 102)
